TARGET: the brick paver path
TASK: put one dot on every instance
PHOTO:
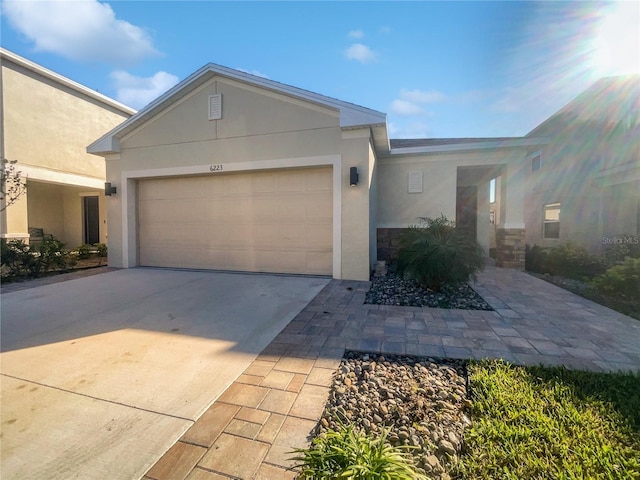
(251, 429)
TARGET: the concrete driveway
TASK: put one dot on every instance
(101, 375)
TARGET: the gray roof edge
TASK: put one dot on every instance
(376, 117)
(50, 74)
(517, 142)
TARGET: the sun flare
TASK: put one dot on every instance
(617, 41)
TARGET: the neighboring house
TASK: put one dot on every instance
(232, 171)
(584, 186)
(47, 121)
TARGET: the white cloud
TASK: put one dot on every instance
(139, 91)
(253, 72)
(385, 30)
(360, 53)
(420, 96)
(412, 130)
(405, 108)
(356, 34)
(80, 30)
(410, 102)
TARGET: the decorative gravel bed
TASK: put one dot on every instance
(392, 289)
(422, 400)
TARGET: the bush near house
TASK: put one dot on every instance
(435, 253)
(568, 260)
(18, 259)
(572, 268)
(21, 261)
(86, 250)
(621, 280)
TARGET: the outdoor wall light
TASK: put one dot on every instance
(353, 176)
(109, 189)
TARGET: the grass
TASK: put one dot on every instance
(351, 455)
(526, 423)
(550, 423)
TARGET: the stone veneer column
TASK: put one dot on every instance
(510, 248)
(388, 240)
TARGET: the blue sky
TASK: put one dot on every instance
(438, 69)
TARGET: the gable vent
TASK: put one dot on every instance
(215, 107)
(415, 182)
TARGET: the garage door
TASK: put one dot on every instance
(267, 221)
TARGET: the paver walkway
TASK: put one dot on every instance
(250, 430)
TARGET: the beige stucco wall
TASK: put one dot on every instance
(397, 208)
(46, 128)
(49, 125)
(593, 170)
(58, 210)
(259, 129)
(356, 228)
(46, 206)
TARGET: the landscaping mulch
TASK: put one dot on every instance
(422, 400)
(392, 289)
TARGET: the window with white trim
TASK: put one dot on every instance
(535, 163)
(551, 227)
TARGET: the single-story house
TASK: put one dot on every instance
(584, 186)
(232, 171)
(46, 122)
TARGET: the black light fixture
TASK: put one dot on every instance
(353, 176)
(109, 189)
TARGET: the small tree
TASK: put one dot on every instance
(12, 185)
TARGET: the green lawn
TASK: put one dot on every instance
(539, 423)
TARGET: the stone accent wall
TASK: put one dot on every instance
(510, 247)
(388, 242)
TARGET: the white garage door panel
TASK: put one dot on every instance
(276, 221)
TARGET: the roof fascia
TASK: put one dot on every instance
(464, 147)
(40, 70)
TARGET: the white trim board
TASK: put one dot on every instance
(61, 178)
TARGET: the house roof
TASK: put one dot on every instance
(610, 99)
(429, 142)
(351, 115)
(408, 146)
(56, 77)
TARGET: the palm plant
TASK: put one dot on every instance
(436, 252)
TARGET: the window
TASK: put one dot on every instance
(535, 161)
(551, 227)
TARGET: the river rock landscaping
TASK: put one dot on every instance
(391, 289)
(421, 400)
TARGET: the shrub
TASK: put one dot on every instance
(347, 454)
(11, 254)
(568, 260)
(19, 258)
(573, 261)
(616, 253)
(84, 251)
(535, 259)
(101, 248)
(621, 280)
(435, 253)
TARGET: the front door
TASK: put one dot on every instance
(467, 209)
(91, 220)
